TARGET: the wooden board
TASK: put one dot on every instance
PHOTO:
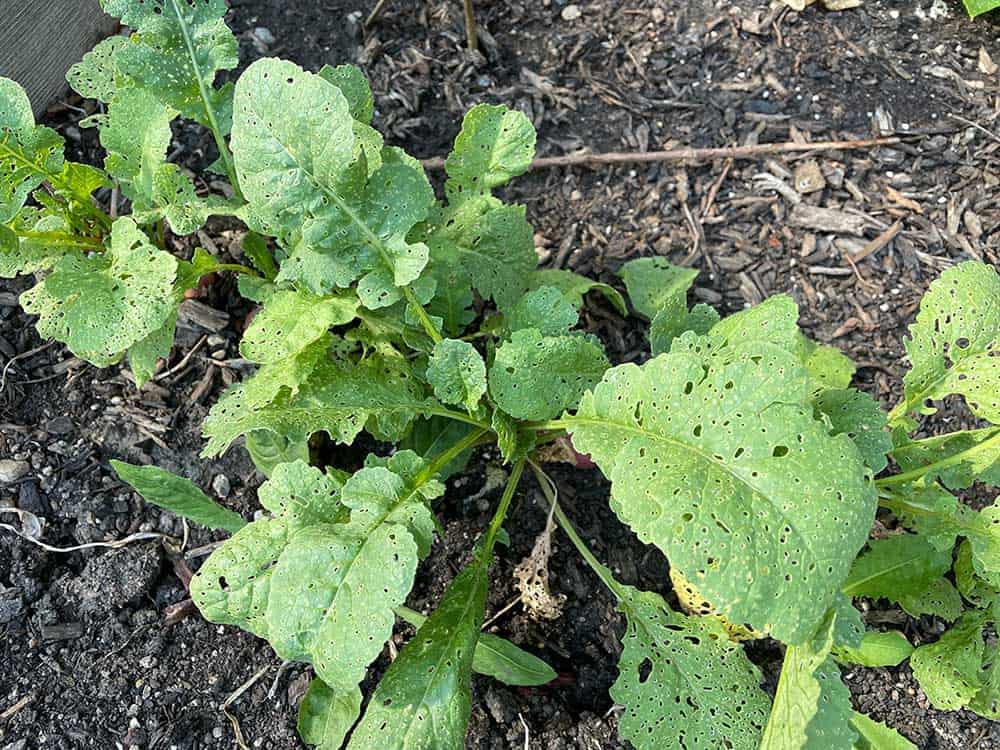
(40, 39)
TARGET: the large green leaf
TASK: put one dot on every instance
(686, 429)
(337, 398)
(684, 684)
(537, 377)
(178, 495)
(29, 154)
(176, 53)
(305, 175)
(812, 707)
(955, 341)
(101, 305)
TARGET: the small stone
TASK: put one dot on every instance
(221, 485)
(571, 12)
(264, 34)
(61, 425)
(808, 177)
(11, 471)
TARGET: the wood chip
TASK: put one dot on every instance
(820, 219)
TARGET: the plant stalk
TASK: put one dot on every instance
(944, 463)
(470, 25)
(63, 240)
(501, 513)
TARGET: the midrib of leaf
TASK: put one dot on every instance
(566, 423)
(18, 156)
(944, 463)
(220, 142)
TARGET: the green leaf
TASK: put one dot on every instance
(674, 318)
(302, 171)
(957, 459)
(495, 145)
(902, 568)
(185, 211)
(513, 443)
(431, 437)
(178, 495)
(954, 343)
(683, 683)
(484, 245)
(969, 584)
(877, 649)
(498, 658)
(30, 255)
(848, 628)
(684, 429)
(337, 398)
(290, 321)
(29, 154)
(773, 321)
(136, 135)
(575, 287)
(537, 377)
(829, 367)
(424, 700)
(545, 309)
(259, 254)
(940, 598)
(654, 283)
(812, 707)
(176, 53)
(978, 7)
(457, 373)
(326, 715)
(302, 495)
(269, 449)
(96, 75)
(858, 416)
(949, 669)
(354, 86)
(101, 305)
(143, 355)
(873, 735)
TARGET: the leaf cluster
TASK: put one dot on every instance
(738, 448)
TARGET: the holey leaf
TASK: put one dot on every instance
(101, 305)
(495, 145)
(29, 154)
(290, 321)
(719, 462)
(954, 344)
(336, 398)
(305, 175)
(684, 684)
(457, 373)
(178, 49)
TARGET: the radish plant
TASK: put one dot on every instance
(738, 448)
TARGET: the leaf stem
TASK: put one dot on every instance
(238, 268)
(449, 454)
(425, 320)
(443, 411)
(548, 489)
(944, 463)
(498, 517)
(213, 122)
(63, 240)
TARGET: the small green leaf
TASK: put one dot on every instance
(978, 7)
(773, 321)
(949, 670)
(858, 416)
(354, 86)
(290, 321)
(812, 707)
(874, 735)
(457, 373)
(954, 343)
(326, 715)
(144, 355)
(957, 459)
(830, 368)
(545, 309)
(99, 306)
(495, 145)
(897, 567)
(654, 283)
(178, 495)
(96, 75)
(29, 154)
(877, 650)
(269, 449)
(513, 443)
(575, 287)
(683, 683)
(537, 377)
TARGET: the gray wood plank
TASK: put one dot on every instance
(41, 39)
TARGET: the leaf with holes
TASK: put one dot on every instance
(495, 145)
(653, 283)
(858, 416)
(904, 568)
(290, 321)
(575, 287)
(536, 376)
(687, 428)
(97, 76)
(457, 373)
(101, 305)
(950, 669)
(957, 459)
(545, 309)
(954, 343)
(683, 683)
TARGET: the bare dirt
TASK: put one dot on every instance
(91, 656)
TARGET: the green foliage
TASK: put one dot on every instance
(178, 495)
(739, 448)
(978, 7)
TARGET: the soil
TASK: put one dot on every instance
(94, 652)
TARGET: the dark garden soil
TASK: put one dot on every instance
(94, 652)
